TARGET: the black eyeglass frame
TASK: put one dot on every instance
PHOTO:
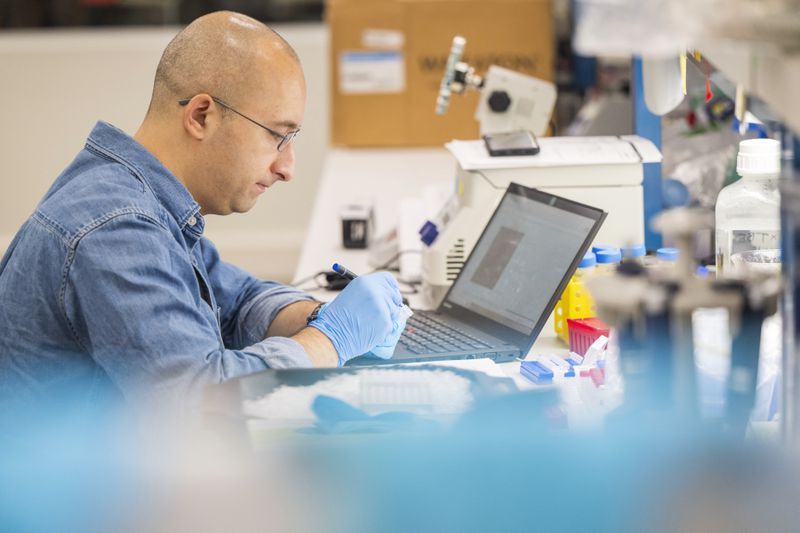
(283, 140)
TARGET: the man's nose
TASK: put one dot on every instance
(283, 166)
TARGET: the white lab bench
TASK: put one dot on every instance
(382, 176)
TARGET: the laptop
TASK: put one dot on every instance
(509, 284)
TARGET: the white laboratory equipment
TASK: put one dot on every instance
(509, 100)
(604, 172)
(748, 211)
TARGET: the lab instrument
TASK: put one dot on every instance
(509, 101)
(601, 171)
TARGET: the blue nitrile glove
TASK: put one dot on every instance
(362, 316)
(385, 349)
(337, 416)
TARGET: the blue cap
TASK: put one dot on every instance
(589, 260)
(597, 247)
(609, 255)
(667, 254)
(636, 250)
(674, 193)
(428, 232)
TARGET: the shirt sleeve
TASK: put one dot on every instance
(248, 305)
(132, 299)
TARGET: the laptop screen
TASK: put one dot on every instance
(530, 246)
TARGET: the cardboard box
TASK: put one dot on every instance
(388, 58)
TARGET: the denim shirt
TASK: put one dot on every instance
(111, 287)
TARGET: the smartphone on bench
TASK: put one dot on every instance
(511, 143)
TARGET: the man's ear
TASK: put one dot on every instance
(200, 116)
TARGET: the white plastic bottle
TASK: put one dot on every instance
(634, 253)
(748, 211)
(667, 257)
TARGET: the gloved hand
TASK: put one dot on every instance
(385, 349)
(362, 316)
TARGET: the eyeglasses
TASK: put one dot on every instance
(283, 140)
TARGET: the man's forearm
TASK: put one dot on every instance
(291, 322)
(318, 347)
(291, 319)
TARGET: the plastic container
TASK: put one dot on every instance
(667, 257)
(575, 301)
(748, 211)
(583, 332)
(597, 247)
(635, 253)
(607, 260)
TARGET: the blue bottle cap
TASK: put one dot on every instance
(609, 255)
(636, 250)
(426, 227)
(674, 193)
(589, 260)
(667, 254)
(597, 247)
(428, 233)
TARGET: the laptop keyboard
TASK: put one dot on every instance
(425, 334)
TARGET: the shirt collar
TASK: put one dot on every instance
(168, 189)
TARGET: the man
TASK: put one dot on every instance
(110, 288)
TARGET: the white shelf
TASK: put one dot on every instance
(765, 70)
(756, 44)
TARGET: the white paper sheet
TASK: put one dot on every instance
(561, 151)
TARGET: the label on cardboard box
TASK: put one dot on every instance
(383, 39)
(366, 72)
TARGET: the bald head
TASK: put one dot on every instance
(214, 55)
(228, 93)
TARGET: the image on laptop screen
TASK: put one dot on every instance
(520, 260)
